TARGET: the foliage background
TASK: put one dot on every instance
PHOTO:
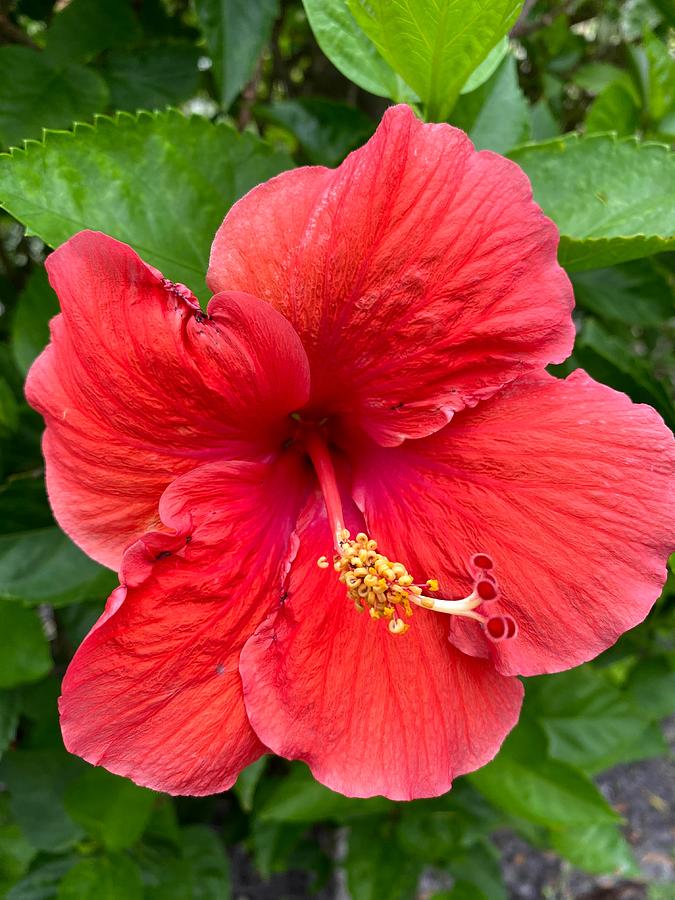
(258, 94)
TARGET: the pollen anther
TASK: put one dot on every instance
(387, 590)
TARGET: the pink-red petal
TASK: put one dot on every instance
(154, 692)
(420, 275)
(139, 386)
(566, 485)
(370, 712)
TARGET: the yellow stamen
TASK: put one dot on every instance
(397, 626)
(385, 588)
(373, 581)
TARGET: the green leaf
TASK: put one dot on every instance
(163, 824)
(488, 67)
(207, 863)
(599, 849)
(611, 360)
(9, 408)
(39, 708)
(43, 881)
(273, 844)
(326, 131)
(651, 686)
(248, 781)
(374, 868)
(543, 123)
(524, 782)
(25, 656)
(478, 866)
(37, 93)
(37, 780)
(430, 836)
(596, 76)
(496, 116)
(24, 504)
(587, 722)
(614, 109)
(16, 852)
(435, 47)
(102, 878)
(299, 798)
(610, 198)
(634, 293)
(660, 87)
(111, 809)
(44, 566)
(236, 32)
(458, 818)
(162, 183)
(83, 28)
(197, 868)
(10, 707)
(30, 325)
(151, 77)
(352, 52)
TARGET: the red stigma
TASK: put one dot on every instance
(482, 561)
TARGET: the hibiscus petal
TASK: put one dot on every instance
(370, 712)
(420, 275)
(138, 386)
(154, 692)
(568, 487)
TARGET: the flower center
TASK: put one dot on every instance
(385, 588)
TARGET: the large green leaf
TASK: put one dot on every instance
(37, 92)
(611, 199)
(42, 882)
(651, 686)
(161, 183)
(151, 77)
(612, 359)
(10, 707)
(248, 781)
(478, 866)
(326, 131)
(44, 566)
(352, 52)
(614, 109)
(103, 878)
(37, 780)
(586, 720)
(634, 293)
(376, 869)
(198, 869)
(236, 32)
(30, 325)
(83, 28)
(25, 653)
(599, 849)
(299, 798)
(111, 809)
(434, 47)
(496, 115)
(16, 853)
(523, 781)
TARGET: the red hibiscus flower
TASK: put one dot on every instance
(347, 503)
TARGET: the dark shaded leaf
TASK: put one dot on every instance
(37, 92)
